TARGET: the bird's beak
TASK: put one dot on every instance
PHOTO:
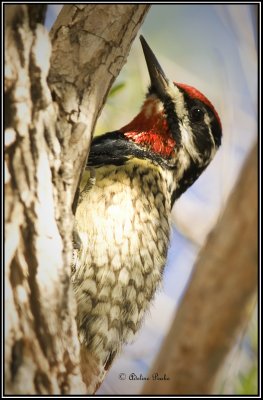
(158, 79)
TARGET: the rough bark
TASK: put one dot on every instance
(47, 133)
(90, 45)
(215, 304)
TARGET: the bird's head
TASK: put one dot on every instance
(177, 123)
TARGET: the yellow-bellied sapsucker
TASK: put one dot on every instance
(123, 221)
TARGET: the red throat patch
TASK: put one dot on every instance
(195, 94)
(149, 128)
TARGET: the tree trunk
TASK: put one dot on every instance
(216, 301)
(48, 129)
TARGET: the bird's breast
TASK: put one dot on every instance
(123, 223)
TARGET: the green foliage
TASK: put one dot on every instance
(116, 89)
(248, 379)
(239, 375)
(248, 382)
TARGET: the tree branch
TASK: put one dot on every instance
(90, 46)
(47, 139)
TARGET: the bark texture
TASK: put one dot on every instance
(90, 46)
(48, 127)
(215, 304)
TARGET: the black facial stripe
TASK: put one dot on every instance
(172, 119)
(171, 116)
(216, 131)
(188, 178)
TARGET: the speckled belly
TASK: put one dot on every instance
(124, 229)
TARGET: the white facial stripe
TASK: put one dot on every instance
(183, 164)
(188, 142)
(177, 98)
(208, 123)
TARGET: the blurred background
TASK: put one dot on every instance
(213, 48)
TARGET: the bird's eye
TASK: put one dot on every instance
(196, 114)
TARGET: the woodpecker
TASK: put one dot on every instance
(123, 219)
